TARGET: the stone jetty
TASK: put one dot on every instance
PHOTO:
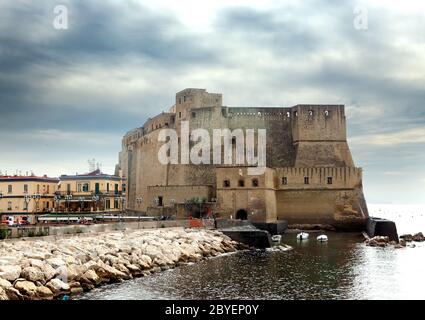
(46, 268)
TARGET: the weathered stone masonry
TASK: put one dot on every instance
(310, 176)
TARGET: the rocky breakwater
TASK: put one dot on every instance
(46, 269)
(384, 241)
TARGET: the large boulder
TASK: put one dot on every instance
(27, 288)
(406, 237)
(33, 274)
(56, 262)
(4, 283)
(10, 273)
(419, 237)
(57, 286)
(45, 293)
(90, 276)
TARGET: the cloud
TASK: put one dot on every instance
(391, 139)
(74, 93)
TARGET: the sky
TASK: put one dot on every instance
(69, 95)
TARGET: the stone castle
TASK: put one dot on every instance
(310, 176)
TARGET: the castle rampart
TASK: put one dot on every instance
(310, 174)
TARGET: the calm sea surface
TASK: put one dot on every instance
(343, 268)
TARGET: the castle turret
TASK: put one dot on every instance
(319, 136)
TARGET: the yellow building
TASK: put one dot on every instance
(91, 192)
(27, 195)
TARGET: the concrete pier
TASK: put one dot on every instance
(381, 227)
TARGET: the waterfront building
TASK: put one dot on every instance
(90, 192)
(27, 195)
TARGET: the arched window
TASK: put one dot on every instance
(241, 183)
(226, 183)
(255, 183)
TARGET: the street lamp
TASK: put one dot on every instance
(27, 199)
(57, 200)
(96, 199)
(37, 198)
(81, 199)
(68, 198)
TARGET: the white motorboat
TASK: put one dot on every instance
(277, 238)
(322, 238)
(302, 236)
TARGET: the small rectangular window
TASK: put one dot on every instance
(180, 114)
(285, 180)
(9, 188)
(160, 201)
(25, 188)
(329, 180)
(9, 205)
(306, 180)
(193, 114)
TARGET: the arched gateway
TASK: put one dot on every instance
(241, 214)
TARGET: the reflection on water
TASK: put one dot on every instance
(343, 268)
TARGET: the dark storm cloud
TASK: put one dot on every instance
(103, 33)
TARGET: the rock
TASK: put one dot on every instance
(10, 273)
(56, 262)
(27, 288)
(77, 290)
(49, 272)
(91, 276)
(33, 274)
(406, 237)
(3, 295)
(418, 237)
(44, 293)
(4, 283)
(57, 286)
(13, 293)
(402, 242)
(91, 265)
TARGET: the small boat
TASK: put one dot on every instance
(322, 238)
(302, 236)
(276, 238)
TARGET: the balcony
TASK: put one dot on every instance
(101, 193)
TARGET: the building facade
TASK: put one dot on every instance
(91, 192)
(310, 175)
(27, 195)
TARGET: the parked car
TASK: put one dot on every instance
(9, 221)
(24, 221)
